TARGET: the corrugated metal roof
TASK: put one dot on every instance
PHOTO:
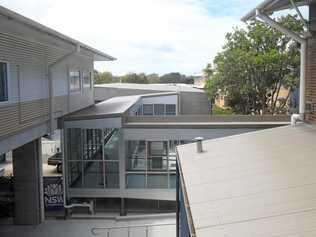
(257, 184)
(269, 6)
(153, 87)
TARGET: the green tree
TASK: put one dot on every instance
(255, 64)
(134, 78)
(103, 77)
(153, 78)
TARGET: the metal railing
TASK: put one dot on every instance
(129, 228)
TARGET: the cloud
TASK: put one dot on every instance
(145, 35)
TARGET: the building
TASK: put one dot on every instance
(123, 149)
(259, 183)
(43, 75)
(191, 100)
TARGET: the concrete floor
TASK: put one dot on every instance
(48, 170)
(82, 228)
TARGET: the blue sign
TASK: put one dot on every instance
(53, 193)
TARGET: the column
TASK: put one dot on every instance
(28, 186)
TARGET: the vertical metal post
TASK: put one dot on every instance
(146, 231)
(128, 231)
(108, 233)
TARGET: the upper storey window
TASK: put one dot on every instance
(87, 83)
(3, 81)
(74, 77)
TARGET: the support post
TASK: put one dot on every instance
(28, 184)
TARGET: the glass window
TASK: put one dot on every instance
(159, 109)
(135, 180)
(92, 145)
(158, 148)
(74, 77)
(74, 144)
(157, 181)
(111, 174)
(111, 146)
(87, 82)
(3, 81)
(75, 174)
(170, 109)
(136, 155)
(93, 174)
(148, 109)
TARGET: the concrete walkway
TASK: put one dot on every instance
(82, 228)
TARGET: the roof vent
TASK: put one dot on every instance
(199, 145)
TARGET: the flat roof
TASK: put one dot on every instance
(113, 107)
(255, 184)
(153, 87)
(100, 56)
(269, 6)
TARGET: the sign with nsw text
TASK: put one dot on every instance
(53, 193)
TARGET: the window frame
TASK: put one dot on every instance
(73, 91)
(84, 85)
(7, 82)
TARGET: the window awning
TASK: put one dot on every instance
(270, 6)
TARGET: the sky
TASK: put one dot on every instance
(150, 36)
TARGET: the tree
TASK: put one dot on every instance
(103, 77)
(153, 78)
(254, 66)
(134, 78)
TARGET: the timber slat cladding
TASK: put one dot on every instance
(16, 117)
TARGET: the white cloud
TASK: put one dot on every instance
(145, 35)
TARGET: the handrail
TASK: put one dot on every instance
(129, 227)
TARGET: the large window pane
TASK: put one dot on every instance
(111, 174)
(135, 181)
(92, 144)
(111, 146)
(3, 81)
(74, 80)
(86, 76)
(157, 181)
(93, 174)
(74, 144)
(136, 155)
(75, 174)
(170, 109)
(148, 109)
(157, 148)
(159, 109)
(173, 181)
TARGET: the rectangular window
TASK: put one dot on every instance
(3, 82)
(74, 77)
(148, 109)
(87, 83)
(159, 109)
(170, 109)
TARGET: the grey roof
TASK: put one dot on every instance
(153, 87)
(99, 56)
(256, 184)
(269, 6)
(113, 107)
